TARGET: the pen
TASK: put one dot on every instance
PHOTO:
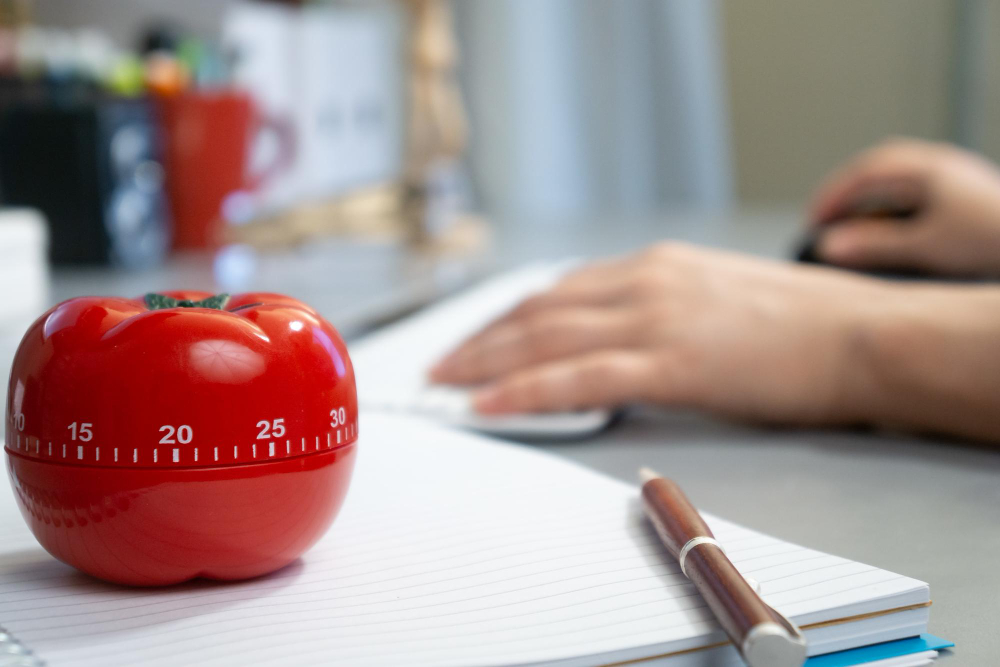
(763, 637)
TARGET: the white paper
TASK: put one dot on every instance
(451, 550)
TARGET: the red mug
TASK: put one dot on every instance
(206, 149)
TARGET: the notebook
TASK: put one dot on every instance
(453, 550)
(392, 364)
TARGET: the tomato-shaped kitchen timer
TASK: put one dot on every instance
(180, 435)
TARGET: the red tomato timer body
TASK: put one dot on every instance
(150, 441)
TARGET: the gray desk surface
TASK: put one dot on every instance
(355, 284)
(927, 509)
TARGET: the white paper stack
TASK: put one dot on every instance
(453, 550)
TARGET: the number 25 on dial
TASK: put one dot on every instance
(271, 429)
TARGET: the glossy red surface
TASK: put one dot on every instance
(152, 446)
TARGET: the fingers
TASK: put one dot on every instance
(871, 243)
(532, 330)
(596, 284)
(589, 309)
(528, 341)
(600, 379)
(894, 175)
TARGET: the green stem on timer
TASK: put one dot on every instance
(156, 301)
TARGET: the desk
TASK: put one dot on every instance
(356, 284)
(906, 504)
(902, 503)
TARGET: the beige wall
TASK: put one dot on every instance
(990, 119)
(812, 82)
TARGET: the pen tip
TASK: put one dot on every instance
(646, 474)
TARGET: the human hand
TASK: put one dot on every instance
(953, 196)
(679, 325)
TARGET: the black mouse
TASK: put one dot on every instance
(806, 251)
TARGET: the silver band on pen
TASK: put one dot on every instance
(691, 544)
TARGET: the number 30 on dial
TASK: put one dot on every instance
(338, 417)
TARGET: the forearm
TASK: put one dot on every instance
(931, 362)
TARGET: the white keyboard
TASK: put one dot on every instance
(391, 364)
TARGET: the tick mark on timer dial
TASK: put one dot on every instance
(178, 455)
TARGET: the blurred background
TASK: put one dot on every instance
(399, 145)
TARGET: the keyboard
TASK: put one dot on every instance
(391, 364)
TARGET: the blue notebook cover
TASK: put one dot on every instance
(857, 656)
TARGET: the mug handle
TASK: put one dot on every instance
(283, 159)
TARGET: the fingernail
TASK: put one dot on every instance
(444, 367)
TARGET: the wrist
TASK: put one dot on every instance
(927, 360)
(872, 345)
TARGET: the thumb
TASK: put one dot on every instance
(870, 243)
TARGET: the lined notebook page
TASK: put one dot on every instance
(451, 550)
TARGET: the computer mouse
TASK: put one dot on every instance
(872, 207)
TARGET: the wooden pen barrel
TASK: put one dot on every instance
(736, 606)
